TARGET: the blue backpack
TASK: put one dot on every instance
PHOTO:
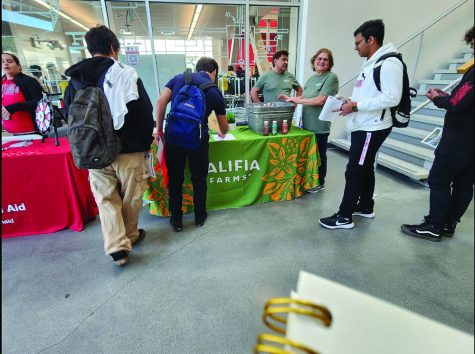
(186, 122)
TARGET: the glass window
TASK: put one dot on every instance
(128, 20)
(185, 32)
(48, 35)
(272, 29)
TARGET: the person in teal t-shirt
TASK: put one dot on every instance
(276, 82)
(321, 85)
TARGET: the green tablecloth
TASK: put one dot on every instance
(251, 169)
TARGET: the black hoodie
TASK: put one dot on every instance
(136, 133)
(458, 122)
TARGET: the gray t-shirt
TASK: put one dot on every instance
(323, 85)
(273, 84)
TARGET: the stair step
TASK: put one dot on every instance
(445, 71)
(415, 104)
(435, 82)
(457, 61)
(412, 132)
(403, 167)
(410, 149)
(437, 121)
(406, 168)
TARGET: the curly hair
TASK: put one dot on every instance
(320, 51)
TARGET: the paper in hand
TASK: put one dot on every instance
(332, 103)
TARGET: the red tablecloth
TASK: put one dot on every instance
(43, 191)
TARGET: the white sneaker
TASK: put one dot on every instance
(365, 213)
(316, 189)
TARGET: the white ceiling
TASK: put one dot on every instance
(131, 16)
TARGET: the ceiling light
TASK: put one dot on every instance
(62, 14)
(196, 16)
(126, 33)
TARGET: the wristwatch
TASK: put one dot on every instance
(354, 108)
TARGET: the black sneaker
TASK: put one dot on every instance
(449, 229)
(177, 225)
(337, 221)
(365, 213)
(140, 237)
(200, 220)
(120, 257)
(425, 231)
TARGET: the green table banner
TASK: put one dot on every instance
(248, 170)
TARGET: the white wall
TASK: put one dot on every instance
(331, 25)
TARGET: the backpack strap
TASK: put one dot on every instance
(377, 67)
(206, 86)
(377, 71)
(188, 77)
(189, 81)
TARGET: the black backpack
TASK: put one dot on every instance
(93, 140)
(402, 112)
(186, 122)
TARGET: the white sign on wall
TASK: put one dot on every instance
(132, 55)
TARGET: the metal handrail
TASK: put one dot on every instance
(446, 88)
(446, 13)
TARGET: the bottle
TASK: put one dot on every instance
(265, 129)
(274, 127)
(285, 127)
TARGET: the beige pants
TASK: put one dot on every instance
(118, 190)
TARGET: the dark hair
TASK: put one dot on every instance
(99, 40)
(207, 64)
(35, 70)
(15, 58)
(278, 54)
(320, 51)
(230, 68)
(372, 28)
(469, 35)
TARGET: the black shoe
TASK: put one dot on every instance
(120, 257)
(449, 229)
(140, 237)
(200, 220)
(365, 213)
(336, 221)
(177, 225)
(425, 231)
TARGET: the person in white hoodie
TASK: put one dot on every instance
(370, 123)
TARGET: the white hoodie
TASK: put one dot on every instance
(370, 101)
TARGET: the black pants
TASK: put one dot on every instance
(359, 187)
(322, 142)
(198, 161)
(451, 186)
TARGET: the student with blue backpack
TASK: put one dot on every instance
(193, 97)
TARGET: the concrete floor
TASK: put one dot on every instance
(203, 290)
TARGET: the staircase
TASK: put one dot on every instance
(260, 52)
(403, 151)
